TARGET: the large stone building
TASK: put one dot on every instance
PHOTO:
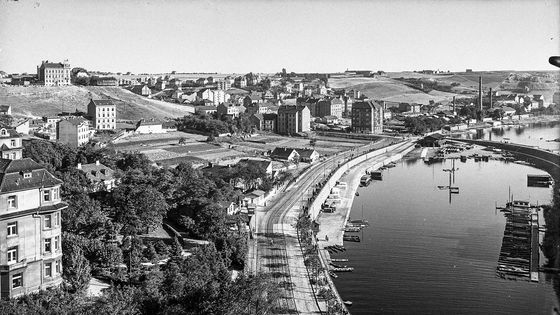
(30, 222)
(73, 131)
(103, 114)
(329, 107)
(293, 119)
(10, 144)
(367, 117)
(54, 73)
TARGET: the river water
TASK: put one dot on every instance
(426, 254)
(534, 134)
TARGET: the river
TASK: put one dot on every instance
(534, 134)
(425, 254)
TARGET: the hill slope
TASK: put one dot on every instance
(38, 101)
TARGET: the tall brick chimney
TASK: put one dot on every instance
(480, 93)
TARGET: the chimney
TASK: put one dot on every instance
(480, 93)
(79, 166)
(454, 111)
(97, 162)
(491, 98)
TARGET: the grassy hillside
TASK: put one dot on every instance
(38, 101)
(388, 89)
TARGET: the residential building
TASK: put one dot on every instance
(73, 132)
(308, 155)
(147, 127)
(6, 110)
(293, 119)
(30, 221)
(22, 126)
(101, 176)
(257, 120)
(205, 110)
(240, 82)
(229, 109)
(224, 84)
(329, 107)
(104, 81)
(269, 122)
(556, 98)
(177, 94)
(202, 81)
(103, 114)
(367, 117)
(285, 154)
(54, 73)
(10, 144)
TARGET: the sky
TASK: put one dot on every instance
(265, 36)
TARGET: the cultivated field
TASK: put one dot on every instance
(38, 101)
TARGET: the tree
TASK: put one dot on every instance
(76, 269)
(6, 121)
(182, 141)
(140, 208)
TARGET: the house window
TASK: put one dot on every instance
(13, 143)
(48, 245)
(27, 175)
(48, 221)
(17, 280)
(12, 228)
(46, 195)
(56, 219)
(58, 266)
(12, 254)
(56, 242)
(12, 201)
(56, 193)
(48, 269)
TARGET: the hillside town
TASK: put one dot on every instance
(279, 157)
(56, 167)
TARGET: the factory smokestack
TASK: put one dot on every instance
(491, 98)
(480, 93)
(454, 112)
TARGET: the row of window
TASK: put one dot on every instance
(49, 245)
(17, 279)
(47, 194)
(49, 221)
(112, 109)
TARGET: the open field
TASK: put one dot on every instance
(165, 149)
(387, 89)
(38, 101)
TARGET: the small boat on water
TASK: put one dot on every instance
(357, 193)
(351, 238)
(346, 269)
(332, 274)
(348, 303)
(443, 187)
(339, 259)
(359, 222)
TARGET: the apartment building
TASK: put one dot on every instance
(30, 228)
(103, 114)
(54, 73)
(73, 131)
(293, 119)
(367, 117)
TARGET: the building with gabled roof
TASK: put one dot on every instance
(10, 144)
(30, 216)
(101, 176)
(285, 154)
(6, 110)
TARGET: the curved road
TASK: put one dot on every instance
(277, 248)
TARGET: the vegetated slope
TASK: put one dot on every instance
(38, 101)
(388, 89)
